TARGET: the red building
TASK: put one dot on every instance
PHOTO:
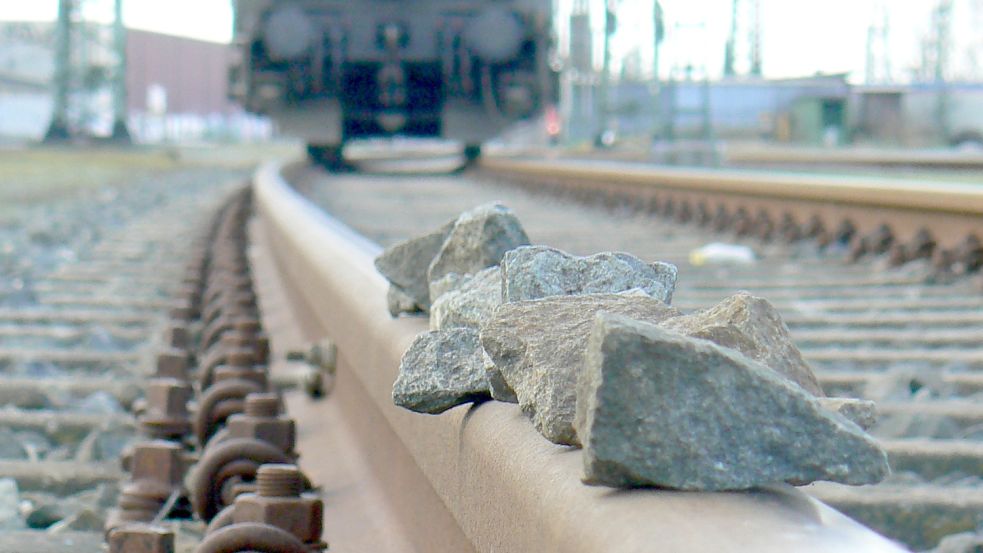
(191, 72)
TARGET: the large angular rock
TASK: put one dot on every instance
(534, 272)
(752, 326)
(406, 264)
(440, 370)
(478, 240)
(470, 304)
(539, 346)
(660, 409)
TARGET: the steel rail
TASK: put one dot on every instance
(951, 211)
(953, 198)
(481, 479)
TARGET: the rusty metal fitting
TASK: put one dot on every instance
(167, 416)
(876, 242)
(279, 501)
(845, 232)
(157, 473)
(221, 356)
(183, 311)
(721, 219)
(789, 229)
(172, 363)
(742, 222)
(189, 293)
(763, 227)
(921, 246)
(240, 302)
(225, 283)
(652, 205)
(703, 215)
(256, 375)
(177, 336)
(140, 538)
(245, 337)
(227, 470)
(815, 229)
(214, 330)
(261, 420)
(668, 208)
(969, 254)
(219, 402)
(685, 212)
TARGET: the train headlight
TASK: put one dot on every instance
(288, 33)
(495, 34)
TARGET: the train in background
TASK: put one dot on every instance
(330, 71)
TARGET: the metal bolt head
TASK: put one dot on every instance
(182, 310)
(141, 538)
(177, 336)
(158, 461)
(278, 431)
(168, 396)
(224, 372)
(280, 503)
(172, 363)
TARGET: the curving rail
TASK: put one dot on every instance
(478, 479)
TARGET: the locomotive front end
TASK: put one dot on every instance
(330, 71)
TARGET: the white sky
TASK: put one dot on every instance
(800, 37)
(202, 19)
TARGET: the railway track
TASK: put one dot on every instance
(470, 480)
(869, 330)
(85, 282)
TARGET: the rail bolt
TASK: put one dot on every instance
(141, 538)
(237, 362)
(177, 336)
(167, 414)
(172, 363)
(224, 354)
(261, 420)
(157, 473)
(279, 501)
(227, 470)
(222, 400)
(183, 310)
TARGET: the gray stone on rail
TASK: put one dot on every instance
(752, 326)
(861, 412)
(539, 346)
(660, 409)
(478, 239)
(440, 370)
(469, 304)
(534, 272)
(405, 265)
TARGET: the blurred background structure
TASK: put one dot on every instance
(90, 77)
(665, 71)
(665, 76)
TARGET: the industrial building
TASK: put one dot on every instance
(176, 86)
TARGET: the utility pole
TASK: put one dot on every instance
(610, 24)
(58, 128)
(942, 20)
(755, 38)
(120, 131)
(659, 30)
(731, 45)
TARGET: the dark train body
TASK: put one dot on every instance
(330, 71)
